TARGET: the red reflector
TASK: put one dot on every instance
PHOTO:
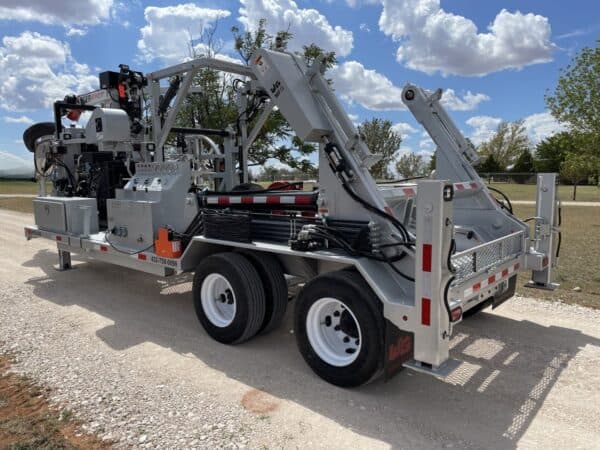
(456, 314)
(223, 200)
(426, 311)
(103, 248)
(247, 200)
(142, 256)
(476, 287)
(505, 273)
(302, 200)
(491, 279)
(474, 185)
(59, 238)
(460, 186)
(426, 257)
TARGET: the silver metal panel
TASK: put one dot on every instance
(482, 257)
(288, 87)
(76, 209)
(49, 213)
(132, 222)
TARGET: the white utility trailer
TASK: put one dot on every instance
(385, 271)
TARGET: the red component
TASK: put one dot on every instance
(505, 273)
(303, 199)
(456, 314)
(426, 257)
(286, 186)
(476, 287)
(142, 256)
(103, 248)
(74, 114)
(163, 246)
(59, 238)
(426, 311)
(491, 279)
(223, 200)
(122, 93)
(473, 185)
(460, 186)
(273, 200)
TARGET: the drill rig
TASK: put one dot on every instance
(385, 271)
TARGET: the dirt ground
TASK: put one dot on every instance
(28, 422)
(529, 377)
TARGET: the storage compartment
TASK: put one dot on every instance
(66, 214)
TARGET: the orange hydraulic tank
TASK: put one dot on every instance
(163, 246)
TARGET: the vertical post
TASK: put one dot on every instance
(229, 147)
(546, 212)
(242, 101)
(156, 122)
(64, 260)
(432, 274)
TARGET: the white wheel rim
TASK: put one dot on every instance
(218, 300)
(333, 332)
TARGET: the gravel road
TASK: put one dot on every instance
(124, 352)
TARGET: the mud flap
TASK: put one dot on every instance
(497, 300)
(399, 348)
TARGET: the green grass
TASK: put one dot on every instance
(579, 262)
(516, 191)
(18, 187)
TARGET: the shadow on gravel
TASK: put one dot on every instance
(509, 366)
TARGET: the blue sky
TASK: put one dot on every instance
(494, 59)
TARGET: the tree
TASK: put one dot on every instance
(433, 161)
(551, 152)
(215, 106)
(411, 165)
(576, 168)
(382, 140)
(576, 98)
(524, 163)
(509, 141)
(489, 165)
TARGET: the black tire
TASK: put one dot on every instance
(36, 131)
(247, 289)
(275, 286)
(351, 289)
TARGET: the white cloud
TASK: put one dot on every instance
(484, 128)
(57, 12)
(404, 129)
(74, 31)
(433, 40)
(37, 70)
(21, 119)
(541, 125)
(469, 102)
(168, 30)
(537, 126)
(373, 90)
(427, 145)
(307, 25)
(364, 27)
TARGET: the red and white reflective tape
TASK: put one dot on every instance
(426, 286)
(224, 200)
(492, 279)
(467, 186)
